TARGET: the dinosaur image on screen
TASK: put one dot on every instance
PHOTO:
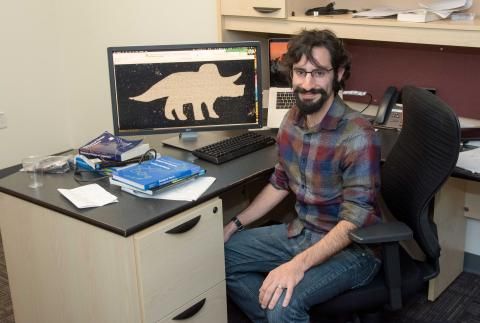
(185, 88)
(192, 88)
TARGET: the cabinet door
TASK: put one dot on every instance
(179, 259)
(254, 8)
(210, 307)
(472, 202)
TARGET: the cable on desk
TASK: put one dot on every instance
(369, 102)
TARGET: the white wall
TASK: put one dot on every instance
(30, 95)
(54, 86)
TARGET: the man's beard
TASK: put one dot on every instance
(309, 107)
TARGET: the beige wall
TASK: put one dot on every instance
(54, 86)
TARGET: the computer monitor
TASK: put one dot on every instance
(185, 89)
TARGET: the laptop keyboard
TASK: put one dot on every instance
(285, 100)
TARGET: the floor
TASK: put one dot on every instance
(460, 303)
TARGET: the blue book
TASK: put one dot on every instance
(110, 147)
(155, 173)
(156, 190)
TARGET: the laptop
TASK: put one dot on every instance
(280, 95)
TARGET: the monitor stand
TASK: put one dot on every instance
(190, 141)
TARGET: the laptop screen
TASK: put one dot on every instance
(277, 47)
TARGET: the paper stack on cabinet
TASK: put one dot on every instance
(418, 15)
(434, 10)
(428, 11)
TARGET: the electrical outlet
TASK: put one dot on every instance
(3, 120)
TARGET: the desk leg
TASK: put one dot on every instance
(448, 215)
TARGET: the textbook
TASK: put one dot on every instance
(110, 147)
(129, 188)
(154, 173)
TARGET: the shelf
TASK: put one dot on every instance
(442, 32)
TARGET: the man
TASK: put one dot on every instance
(329, 159)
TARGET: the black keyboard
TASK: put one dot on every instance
(233, 147)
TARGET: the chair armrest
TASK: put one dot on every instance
(388, 234)
(382, 233)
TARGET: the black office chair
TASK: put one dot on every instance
(419, 163)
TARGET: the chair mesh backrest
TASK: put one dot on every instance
(421, 160)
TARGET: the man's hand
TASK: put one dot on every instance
(285, 276)
(228, 231)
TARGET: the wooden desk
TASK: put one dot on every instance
(117, 263)
(120, 262)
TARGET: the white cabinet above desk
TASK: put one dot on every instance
(248, 17)
(434, 33)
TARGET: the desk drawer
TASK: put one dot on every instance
(179, 259)
(210, 307)
(254, 8)
(266, 8)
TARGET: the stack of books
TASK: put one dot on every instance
(108, 148)
(155, 175)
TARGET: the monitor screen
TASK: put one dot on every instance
(276, 48)
(185, 88)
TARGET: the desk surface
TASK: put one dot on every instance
(132, 214)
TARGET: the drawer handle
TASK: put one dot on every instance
(191, 311)
(184, 227)
(266, 9)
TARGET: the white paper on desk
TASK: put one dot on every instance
(91, 195)
(470, 160)
(188, 191)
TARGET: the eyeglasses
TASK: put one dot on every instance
(317, 74)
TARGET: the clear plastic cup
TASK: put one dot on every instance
(31, 165)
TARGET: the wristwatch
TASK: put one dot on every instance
(239, 224)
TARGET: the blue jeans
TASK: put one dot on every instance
(252, 253)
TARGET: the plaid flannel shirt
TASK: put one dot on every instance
(333, 169)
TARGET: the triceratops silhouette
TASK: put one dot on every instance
(204, 86)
